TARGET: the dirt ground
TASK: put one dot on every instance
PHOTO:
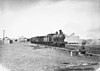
(20, 57)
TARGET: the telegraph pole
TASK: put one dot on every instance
(3, 35)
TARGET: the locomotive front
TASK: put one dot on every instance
(58, 39)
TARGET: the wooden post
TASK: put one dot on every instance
(3, 35)
(71, 53)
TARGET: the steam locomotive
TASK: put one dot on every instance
(50, 39)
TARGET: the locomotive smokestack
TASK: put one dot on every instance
(56, 32)
(60, 32)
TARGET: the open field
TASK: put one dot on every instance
(94, 49)
(19, 57)
(90, 48)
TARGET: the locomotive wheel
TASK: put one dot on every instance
(62, 45)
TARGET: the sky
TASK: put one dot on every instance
(40, 17)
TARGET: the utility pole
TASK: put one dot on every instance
(3, 35)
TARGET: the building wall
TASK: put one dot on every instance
(6, 41)
(73, 39)
(22, 39)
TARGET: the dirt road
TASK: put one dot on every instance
(18, 57)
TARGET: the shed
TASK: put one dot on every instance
(6, 40)
(22, 39)
(73, 39)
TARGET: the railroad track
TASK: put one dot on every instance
(66, 49)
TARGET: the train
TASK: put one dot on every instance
(55, 39)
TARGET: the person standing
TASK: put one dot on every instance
(82, 50)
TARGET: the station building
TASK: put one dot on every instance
(73, 39)
(6, 40)
(22, 39)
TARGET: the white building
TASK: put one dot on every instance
(6, 40)
(22, 39)
(72, 39)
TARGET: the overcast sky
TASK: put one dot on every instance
(40, 17)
